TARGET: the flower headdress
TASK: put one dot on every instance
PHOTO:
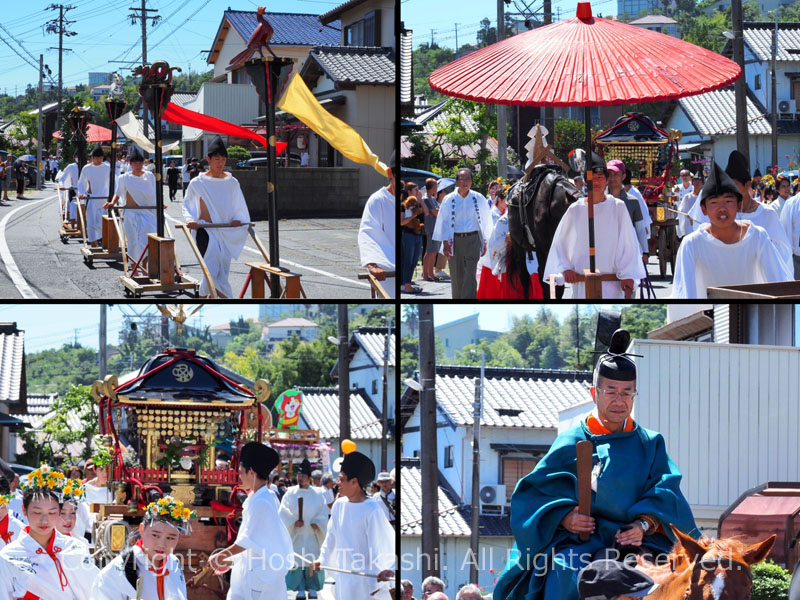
(73, 490)
(5, 499)
(45, 480)
(171, 511)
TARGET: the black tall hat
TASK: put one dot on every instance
(97, 151)
(616, 363)
(304, 468)
(135, 155)
(757, 172)
(256, 454)
(393, 162)
(717, 184)
(360, 466)
(217, 147)
(698, 175)
(737, 167)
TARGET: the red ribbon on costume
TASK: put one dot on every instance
(5, 534)
(52, 551)
(160, 575)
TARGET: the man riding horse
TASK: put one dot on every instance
(635, 493)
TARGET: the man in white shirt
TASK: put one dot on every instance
(685, 186)
(93, 187)
(685, 223)
(464, 226)
(385, 497)
(377, 231)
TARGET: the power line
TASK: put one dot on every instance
(57, 26)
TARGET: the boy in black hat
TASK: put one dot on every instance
(262, 553)
(376, 233)
(359, 536)
(727, 251)
(617, 250)
(93, 186)
(216, 197)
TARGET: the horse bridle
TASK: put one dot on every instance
(709, 564)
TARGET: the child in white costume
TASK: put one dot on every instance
(10, 527)
(151, 559)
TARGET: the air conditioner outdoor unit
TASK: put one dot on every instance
(783, 106)
(493, 499)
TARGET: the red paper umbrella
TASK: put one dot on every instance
(94, 133)
(584, 61)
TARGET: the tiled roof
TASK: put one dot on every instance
(12, 363)
(654, 20)
(373, 341)
(432, 118)
(406, 76)
(451, 521)
(182, 98)
(356, 64)
(714, 113)
(39, 404)
(337, 12)
(291, 29)
(512, 397)
(321, 411)
(294, 322)
(758, 37)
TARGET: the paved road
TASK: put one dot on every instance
(34, 263)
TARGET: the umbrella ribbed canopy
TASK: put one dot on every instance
(584, 61)
(94, 133)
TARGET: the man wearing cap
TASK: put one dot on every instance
(93, 186)
(635, 492)
(136, 188)
(216, 197)
(262, 552)
(616, 175)
(725, 251)
(613, 580)
(376, 232)
(750, 210)
(305, 515)
(385, 498)
(464, 226)
(359, 536)
(617, 250)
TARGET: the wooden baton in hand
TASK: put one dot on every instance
(584, 449)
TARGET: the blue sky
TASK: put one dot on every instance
(441, 15)
(105, 33)
(53, 325)
(498, 317)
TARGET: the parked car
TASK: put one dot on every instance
(418, 176)
(294, 161)
(21, 470)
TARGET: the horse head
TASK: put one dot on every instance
(714, 569)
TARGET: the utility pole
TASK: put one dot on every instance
(165, 330)
(549, 115)
(428, 446)
(740, 90)
(141, 14)
(39, 170)
(476, 474)
(431, 38)
(385, 402)
(502, 137)
(344, 375)
(101, 351)
(456, 38)
(774, 119)
(57, 26)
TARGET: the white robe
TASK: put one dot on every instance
(778, 204)
(378, 499)
(790, 221)
(359, 538)
(137, 223)
(616, 247)
(259, 573)
(12, 526)
(443, 231)
(704, 261)
(225, 203)
(69, 179)
(305, 540)
(685, 205)
(111, 583)
(93, 183)
(24, 570)
(376, 235)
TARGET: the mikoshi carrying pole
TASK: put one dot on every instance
(268, 75)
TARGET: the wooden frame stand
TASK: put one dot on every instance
(376, 289)
(67, 231)
(259, 280)
(162, 274)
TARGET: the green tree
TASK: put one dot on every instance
(374, 317)
(238, 153)
(56, 371)
(642, 318)
(569, 135)
(770, 581)
(497, 353)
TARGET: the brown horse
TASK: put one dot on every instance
(706, 569)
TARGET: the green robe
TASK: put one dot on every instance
(636, 477)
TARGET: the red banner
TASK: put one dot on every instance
(183, 116)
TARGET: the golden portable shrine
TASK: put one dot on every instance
(161, 431)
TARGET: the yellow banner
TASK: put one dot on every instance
(299, 101)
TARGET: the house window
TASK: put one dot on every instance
(515, 469)
(374, 386)
(758, 82)
(365, 32)
(415, 454)
(448, 457)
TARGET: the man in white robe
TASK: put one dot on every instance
(725, 251)
(750, 210)
(137, 188)
(635, 193)
(377, 231)
(359, 536)
(790, 221)
(307, 530)
(216, 197)
(69, 181)
(93, 186)
(685, 224)
(617, 250)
